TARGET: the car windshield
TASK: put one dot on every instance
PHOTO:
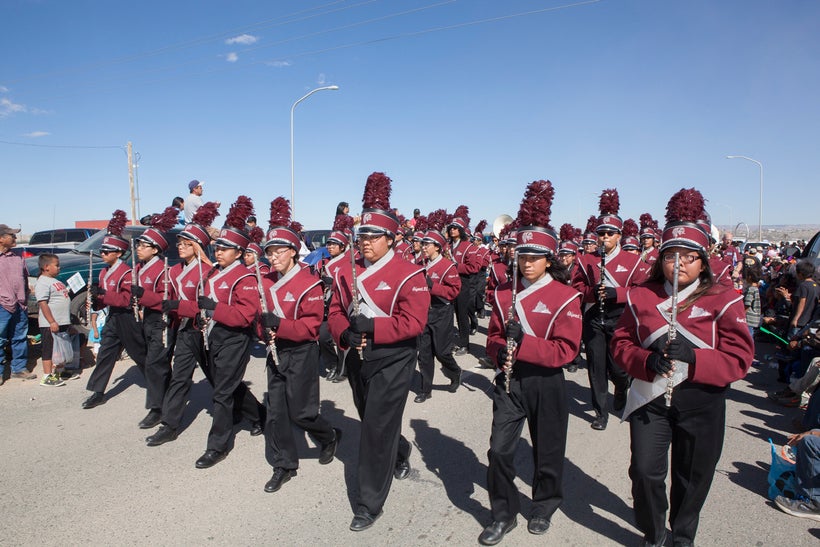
(93, 243)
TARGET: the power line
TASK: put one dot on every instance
(69, 146)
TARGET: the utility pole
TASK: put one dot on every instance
(131, 185)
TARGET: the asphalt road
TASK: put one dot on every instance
(72, 476)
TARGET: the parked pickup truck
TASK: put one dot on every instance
(54, 241)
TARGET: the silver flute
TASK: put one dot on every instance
(673, 324)
(134, 281)
(203, 316)
(271, 335)
(165, 281)
(354, 289)
(602, 272)
(88, 290)
(508, 364)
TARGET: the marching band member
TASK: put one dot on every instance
(480, 279)
(567, 252)
(121, 328)
(536, 331)
(649, 248)
(253, 253)
(293, 298)
(464, 255)
(603, 280)
(392, 299)
(336, 244)
(692, 354)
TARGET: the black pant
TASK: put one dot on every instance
(332, 358)
(463, 305)
(538, 395)
(293, 398)
(480, 290)
(694, 426)
(380, 394)
(436, 342)
(121, 331)
(157, 358)
(600, 363)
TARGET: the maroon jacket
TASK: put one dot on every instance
(150, 277)
(116, 281)
(715, 323)
(550, 314)
(296, 297)
(185, 287)
(721, 272)
(623, 270)
(465, 255)
(446, 282)
(235, 291)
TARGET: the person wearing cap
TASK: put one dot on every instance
(567, 253)
(194, 200)
(535, 331)
(231, 304)
(712, 348)
(485, 258)
(13, 307)
(393, 300)
(121, 329)
(294, 297)
(436, 341)
(331, 355)
(604, 299)
(464, 255)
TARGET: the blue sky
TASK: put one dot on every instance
(457, 101)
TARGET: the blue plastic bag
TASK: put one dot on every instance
(782, 478)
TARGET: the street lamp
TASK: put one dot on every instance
(760, 212)
(292, 108)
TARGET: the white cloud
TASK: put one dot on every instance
(243, 39)
(232, 57)
(4, 89)
(279, 64)
(37, 134)
(8, 107)
(321, 80)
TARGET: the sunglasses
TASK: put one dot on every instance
(608, 233)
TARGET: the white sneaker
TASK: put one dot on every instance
(52, 380)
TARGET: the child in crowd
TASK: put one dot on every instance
(54, 316)
(752, 300)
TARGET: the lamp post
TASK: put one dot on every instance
(292, 108)
(760, 211)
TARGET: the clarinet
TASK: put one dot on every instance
(264, 301)
(165, 297)
(673, 324)
(203, 317)
(88, 291)
(354, 289)
(510, 316)
(602, 272)
(134, 281)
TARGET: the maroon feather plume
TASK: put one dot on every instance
(502, 233)
(296, 226)
(206, 214)
(343, 223)
(421, 224)
(448, 219)
(686, 204)
(630, 228)
(592, 224)
(438, 219)
(377, 192)
(536, 206)
(481, 226)
(165, 220)
(117, 223)
(239, 212)
(647, 221)
(279, 212)
(402, 220)
(567, 232)
(579, 235)
(257, 235)
(463, 212)
(610, 202)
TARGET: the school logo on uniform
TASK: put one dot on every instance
(620, 269)
(289, 297)
(541, 308)
(383, 286)
(224, 285)
(148, 280)
(434, 275)
(698, 312)
(189, 284)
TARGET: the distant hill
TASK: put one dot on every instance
(774, 232)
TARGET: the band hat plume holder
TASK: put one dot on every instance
(609, 222)
(338, 238)
(568, 247)
(647, 232)
(154, 238)
(433, 236)
(254, 248)
(233, 238)
(114, 243)
(631, 244)
(535, 240)
(197, 233)
(378, 221)
(282, 236)
(458, 223)
(684, 234)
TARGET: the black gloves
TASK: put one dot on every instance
(328, 281)
(429, 282)
(658, 364)
(169, 305)
(502, 357)
(514, 331)
(271, 320)
(361, 324)
(137, 291)
(96, 291)
(206, 303)
(611, 294)
(351, 339)
(678, 350)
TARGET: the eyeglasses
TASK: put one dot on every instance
(370, 237)
(143, 244)
(609, 233)
(669, 258)
(276, 252)
(104, 252)
(185, 244)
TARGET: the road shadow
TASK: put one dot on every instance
(131, 377)
(348, 450)
(455, 465)
(752, 477)
(200, 398)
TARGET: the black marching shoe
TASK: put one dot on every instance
(473, 331)
(454, 383)
(257, 429)
(329, 450)
(620, 401)
(163, 435)
(599, 423)
(572, 367)
(280, 477)
(339, 379)
(649, 543)
(210, 458)
(152, 419)
(496, 531)
(331, 375)
(402, 469)
(363, 520)
(421, 397)
(538, 525)
(460, 351)
(96, 399)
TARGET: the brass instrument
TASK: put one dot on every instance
(271, 335)
(511, 316)
(673, 324)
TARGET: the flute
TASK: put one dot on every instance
(165, 297)
(134, 281)
(88, 290)
(201, 292)
(673, 324)
(510, 316)
(602, 272)
(354, 289)
(264, 301)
